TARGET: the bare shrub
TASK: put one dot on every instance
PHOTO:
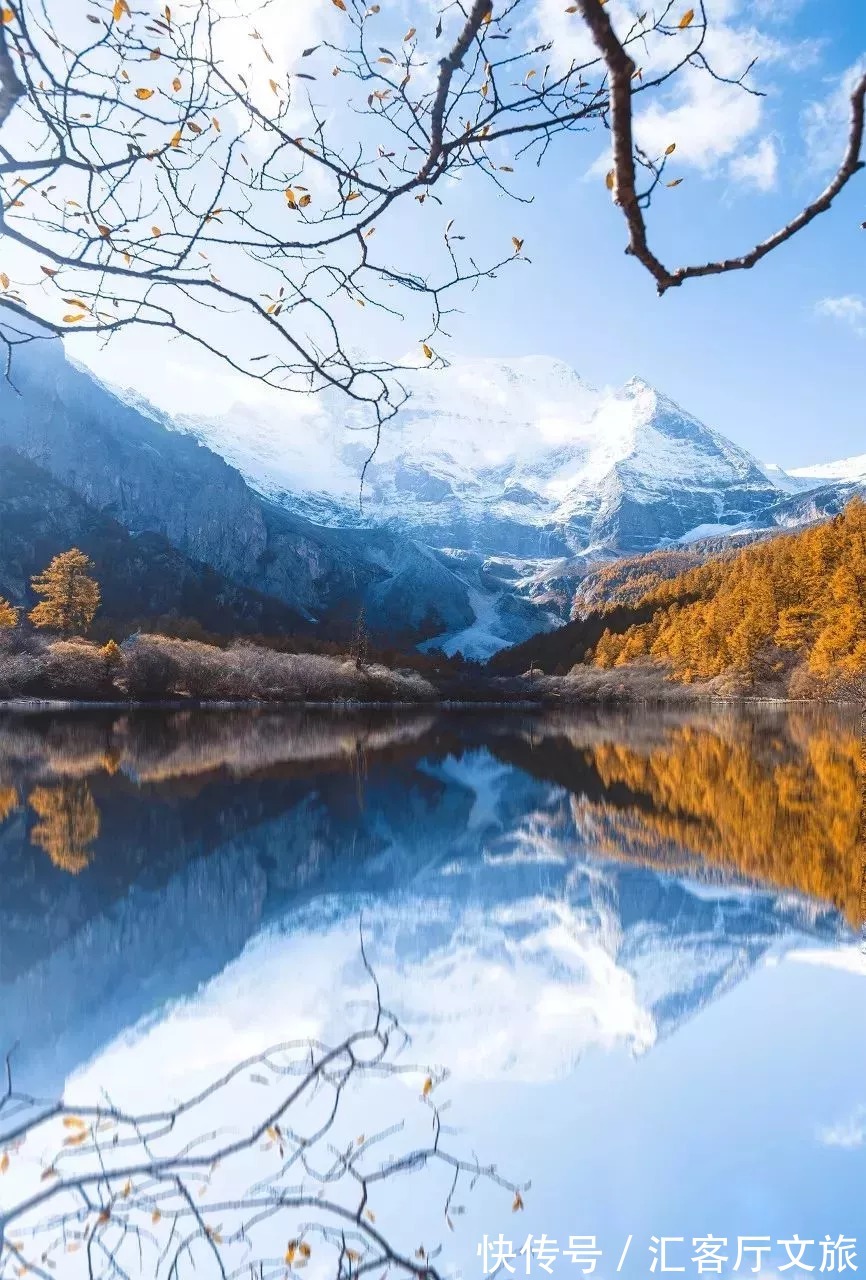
(76, 669)
(149, 670)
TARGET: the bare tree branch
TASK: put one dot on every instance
(622, 70)
(195, 1188)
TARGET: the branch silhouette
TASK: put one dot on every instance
(190, 1188)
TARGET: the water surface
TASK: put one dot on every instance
(631, 937)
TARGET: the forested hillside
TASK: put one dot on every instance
(791, 608)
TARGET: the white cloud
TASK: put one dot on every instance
(849, 309)
(712, 122)
(758, 168)
(709, 121)
(849, 1133)
(826, 120)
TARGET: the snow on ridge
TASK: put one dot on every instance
(845, 469)
(524, 443)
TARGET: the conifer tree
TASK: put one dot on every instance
(8, 614)
(796, 601)
(70, 597)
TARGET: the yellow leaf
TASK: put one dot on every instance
(105, 232)
(143, 94)
(175, 139)
(6, 15)
(518, 244)
(215, 122)
(675, 183)
(175, 84)
(274, 86)
(339, 3)
(73, 1122)
(291, 198)
(428, 352)
(126, 1191)
(671, 149)
(155, 232)
(610, 179)
(686, 19)
(49, 271)
(49, 1173)
(154, 54)
(76, 302)
(488, 18)
(517, 1202)
(4, 1162)
(409, 34)
(120, 8)
(74, 1139)
(193, 127)
(371, 1215)
(290, 1253)
(304, 201)
(73, 1246)
(155, 1216)
(304, 1249)
(572, 8)
(4, 279)
(353, 195)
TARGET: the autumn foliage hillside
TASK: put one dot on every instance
(790, 611)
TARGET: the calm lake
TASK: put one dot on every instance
(632, 938)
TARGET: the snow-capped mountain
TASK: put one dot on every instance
(494, 490)
(516, 458)
(519, 475)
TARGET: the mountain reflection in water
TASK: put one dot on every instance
(141, 852)
(548, 900)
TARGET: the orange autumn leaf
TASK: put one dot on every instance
(144, 94)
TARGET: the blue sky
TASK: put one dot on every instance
(775, 357)
(748, 352)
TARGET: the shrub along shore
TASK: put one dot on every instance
(148, 668)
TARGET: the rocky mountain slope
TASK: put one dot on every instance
(141, 575)
(130, 466)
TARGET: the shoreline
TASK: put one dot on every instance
(24, 705)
